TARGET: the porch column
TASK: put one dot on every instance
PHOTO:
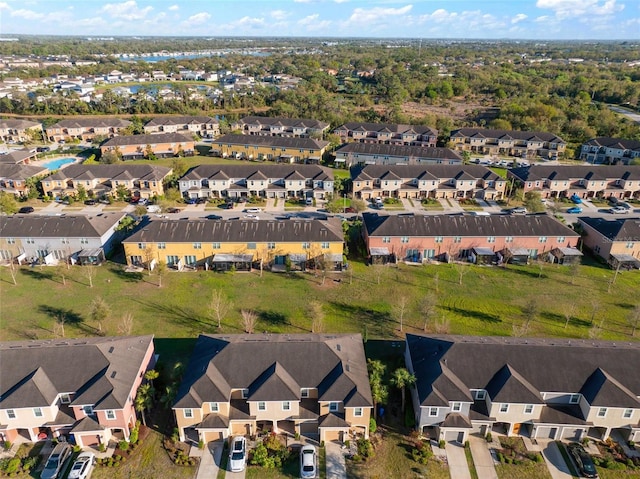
(275, 426)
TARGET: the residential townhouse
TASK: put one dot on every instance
(162, 145)
(540, 388)
(616, 241)
(86, 129)
(18, 131)
(286, 127)
(309, 384)
(480, 239)
(13, 178)
(590, 181)
(269, 181)
(139, 181)
(18, 157)
(388, 134)
(610, 150)
(429, 181)
(82, 389)
(253, 147)
(522, 144)
(203, 126)
(381, 154)
(86, 239)
(238, 244)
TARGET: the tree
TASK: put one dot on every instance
(109, 158)
(125, 327)
(140, 210)
(144, 400)
(249, 320)
(427, 308)
(122, 192)
(58, 325)
(126, 224)
(150, 375)
(634, 319)
(8, 203)
(533, 202)
(358, 206)
(161, 270)
(81, 194)
(379, 391)
(89, 273)
(99, 312)
(568, 311)
(400, 309)
(12, 271)
(401, 379)
(379, 271)
(530, 312)
(462, 269)
(219, 306)
(314, 310)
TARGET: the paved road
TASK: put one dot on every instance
(482, 458)
(624, 112)
(458, 467)
(556, 464)
(336, 467)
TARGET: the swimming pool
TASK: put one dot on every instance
(57, 164)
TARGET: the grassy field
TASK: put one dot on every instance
(610, 474)
(527, 470)
(490, 301)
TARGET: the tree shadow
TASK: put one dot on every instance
(479, 315)
(37, 274)
(71, 317)
(524, 272)
(134, 277)
(183, 315)
(378, 323)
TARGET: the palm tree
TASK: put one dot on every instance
(401, 379)
(379, 391)
(144, 400)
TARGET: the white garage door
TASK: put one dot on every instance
(571, 433)
(450, 436)
(546, 432)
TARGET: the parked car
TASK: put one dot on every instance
(153, 209)
(201, 201)
(55, 462)
(252, 217)
(618, 210)
(519, 210)
(574, 210)
(309, 201)
(253, 210)
(349, 210)
(82, 467)
(26, 209)
(143, 202)
(308, 462)
(174, 210)
(228, 205)
(89, 202)
(583, 460)
(238, 454)
(576, 199)
(191, 201)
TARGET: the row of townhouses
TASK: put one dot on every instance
(610, 150)
(522, 144)
(317, 386)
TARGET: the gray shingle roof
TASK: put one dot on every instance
(394, 128)
(242, 361)
(542, 365)
(314, 172)
(627, 229)
(180, 120)
(576, 172)
(511, 134)
(462, 225)
(105, 122)
(289, 122)
(147, 139)
(73, 172)
(411, 152)
(64, 226)
(274, 141)
(234, 231)
(18, 124)
(101, 371)
(618, 143)
(425, 172)
(19, 172)
(16, 156)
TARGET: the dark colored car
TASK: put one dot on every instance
(90, 202)
(191, 201)
(26, 209)
(227, 206)
(582, 460)
(174, 210)
(201, 201)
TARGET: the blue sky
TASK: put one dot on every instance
(488, 19)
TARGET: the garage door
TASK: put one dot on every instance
(546, 432)
(212, 436)
(332, 435)
(457, 436)
(309, 428)
(571, 433)
(240, 428)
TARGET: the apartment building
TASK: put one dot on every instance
(610, 151)
(277, 148)
(18, 131)
(616, 241)
(162, 145)
(286, 127)
(13, 178)
(428, 181)
(521, 144)
(203, 126)
(86, 129)
(388, 134)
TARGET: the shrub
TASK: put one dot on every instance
(500, 456)
(373, 426)
(133, 436)
(12, 466)
(123, 445)
(76, 448)
(201, 444)
(365, 448)
(488, 437)
(441, 443)
(7, 445)
(102, 447)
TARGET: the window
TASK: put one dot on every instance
(433, 411)
(11, 241)
(542, 239)
(491, 239)
(188, 413)
(141, 246)
(111, 414)
(333, 406)
(84, 241)
(88, 410)
(574, 399)
(262, 406)
(190, 259)
(65, 398)
(306, 245)
(357, 412)
(457, 239)
(456, 406)
(251, 246)
(561, 239)
(324, 245)
(37, 412)
(438, 239)
(215, 245)
(504, 407)
(197, 245)
(286, 405)
(528, 409)
(11, 414)
(386, 239)
(404, 239)
(627, 413)
(508, 239)
(271, 246)
(245, 393)
(162, 245)
(630, 245)
(304, 393)
(64, 241)
(481, 394)
(602, 412)
(214, 406)
(30, 241)
(172, 259)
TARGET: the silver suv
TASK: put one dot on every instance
(56, 461)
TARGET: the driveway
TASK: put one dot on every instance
(458, 467)
(210, 460)
(556, 464)
(482, 458)
(336, 467)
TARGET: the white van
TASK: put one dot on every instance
(480, 213)
(153, 209)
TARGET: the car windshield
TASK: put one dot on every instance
(52, 463)
(307, 468)
(77, 466)
(236, 456)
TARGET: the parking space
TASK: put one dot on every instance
(557, 466)
(336, 467)
(482, 458)
(210, 461)
(458, 467)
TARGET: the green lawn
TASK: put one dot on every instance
(611, 474)
(489, 301)
(529, 470)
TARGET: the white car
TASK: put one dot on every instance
(252, 217)
(238, 454)
(253, 210)
(82, 467)
(618, 210)
(308, 462)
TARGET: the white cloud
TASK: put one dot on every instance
(361, 16)
(27, 14)
(518, 18)
(173, 8)
(4, 6)
(199, 18)
(279, 14)
(577, 8)
(301, 1)
(340, 1)
(128, 11)
(313, 23)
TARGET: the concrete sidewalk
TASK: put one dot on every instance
(556, 464)
(336, 467)
(210, 461)
(482, 458)
(458, 467)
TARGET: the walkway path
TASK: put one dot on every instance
(458, 467)
(482, 458)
